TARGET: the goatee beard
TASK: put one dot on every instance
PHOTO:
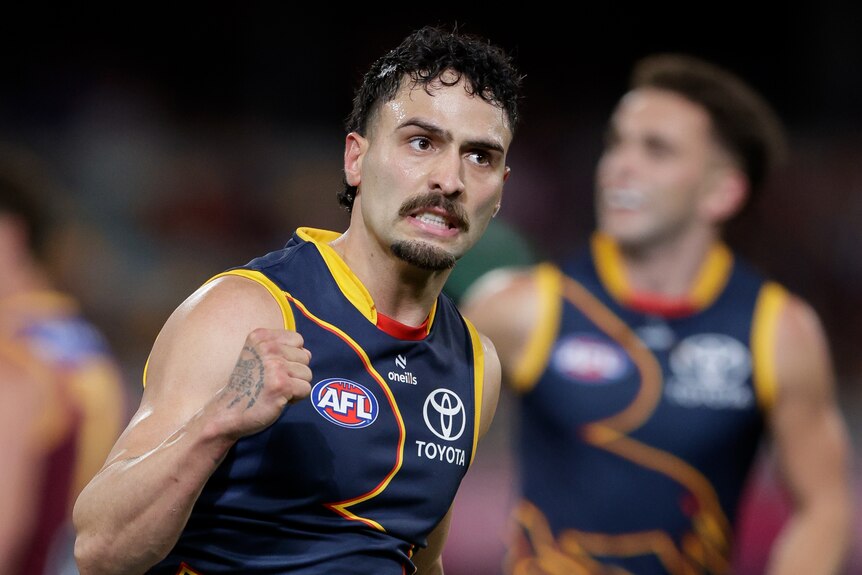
(423, 255)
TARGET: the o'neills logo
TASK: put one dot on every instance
(403, 377)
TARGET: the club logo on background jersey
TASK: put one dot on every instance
(345, 402)
(710, 370)
(589, 359)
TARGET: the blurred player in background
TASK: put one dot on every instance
(649, 366)
(62, 399)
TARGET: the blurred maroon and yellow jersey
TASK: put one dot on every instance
(83, 406)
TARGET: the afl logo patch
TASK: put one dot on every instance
(589, 359)
(344, 402)
(444, 414)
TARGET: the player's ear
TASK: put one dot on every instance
(354, 150)
(728, 194)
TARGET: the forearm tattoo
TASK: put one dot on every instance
(246, 381)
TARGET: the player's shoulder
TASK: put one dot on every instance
(506, 303)
(232, 293)
(505, 284)
(226, 303)
(800, 318)
(799, 333)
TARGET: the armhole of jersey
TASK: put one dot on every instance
(764, 328)
(275, 291)
(478, 383)
(534, 359)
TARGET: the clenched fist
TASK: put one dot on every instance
(271, 372)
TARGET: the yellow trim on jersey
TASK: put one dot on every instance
(713, 276)
(144, 375)
(764, 329)
(286, 312)
(709, 283)
(479, 383)
(347, 281)
(609, 266)
(274, 290)
(350, 285)
(534, 359)
(341, 507)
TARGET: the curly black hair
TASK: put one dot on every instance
(424, 56)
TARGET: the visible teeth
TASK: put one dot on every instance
(433, 219)
(625, 198)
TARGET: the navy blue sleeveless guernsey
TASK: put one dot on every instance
(639, 422)
(353, 479)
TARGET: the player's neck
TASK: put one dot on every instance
(406, 296)
(400, 291)
(667, 269)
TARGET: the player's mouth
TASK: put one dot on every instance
(435, 213)
(624, 198)
(432, 219)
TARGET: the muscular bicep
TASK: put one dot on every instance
(193, 358)
(808, 427)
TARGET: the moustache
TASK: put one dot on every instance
(455, 213)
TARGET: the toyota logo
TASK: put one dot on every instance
(444, 414)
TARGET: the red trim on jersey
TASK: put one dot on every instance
(660, 305)
(401, 331)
